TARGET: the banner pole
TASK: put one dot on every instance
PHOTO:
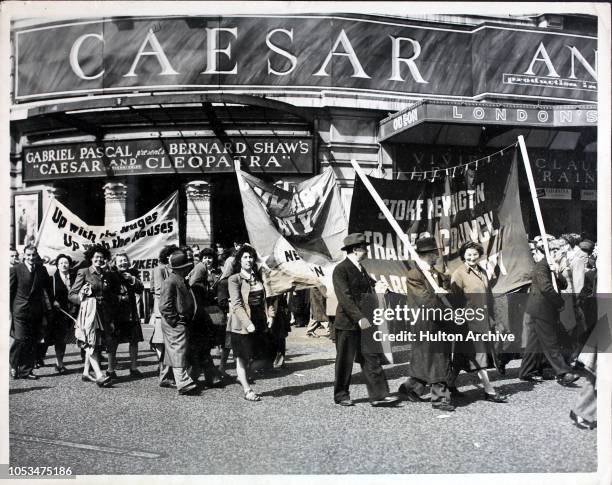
(536, 204)
(398, 230)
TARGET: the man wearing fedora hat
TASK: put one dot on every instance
(350, 283)
(430, 361)
(177, 306)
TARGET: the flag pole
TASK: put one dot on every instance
(401, 234)
(536, 204)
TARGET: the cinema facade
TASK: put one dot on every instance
(112, 115)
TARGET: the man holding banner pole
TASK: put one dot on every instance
(429, 361)
(351, 282)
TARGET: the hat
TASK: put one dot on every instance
(587, 245)
(207, 252)
(179, 260)
(426, 245)
(354, 239)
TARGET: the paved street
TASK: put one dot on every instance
(138, 428)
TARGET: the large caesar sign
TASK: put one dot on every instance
(305, 52)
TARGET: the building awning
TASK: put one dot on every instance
(462, 123)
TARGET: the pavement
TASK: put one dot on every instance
(136, 427)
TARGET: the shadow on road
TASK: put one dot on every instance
(28, 389)
(297, 390)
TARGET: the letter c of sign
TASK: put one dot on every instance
(74, 57)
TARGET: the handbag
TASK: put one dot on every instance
(216, 315)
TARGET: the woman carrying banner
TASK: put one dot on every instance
(96, 290)
(61, 331)
(470, 288)
(249, 314)
(128, 322)
(160, 273)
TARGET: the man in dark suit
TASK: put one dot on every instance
(351, 282)
(29, 304)
(430, 361)
(542, 324)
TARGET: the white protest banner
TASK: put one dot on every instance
(298, 234)
(64, 232)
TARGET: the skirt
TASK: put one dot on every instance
(129, 332)
(243, 346)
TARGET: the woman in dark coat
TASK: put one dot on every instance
(61, 330)
(470, 288)
(96, 290)
(128, 322)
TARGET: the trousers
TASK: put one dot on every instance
(22, 355)
(348, 350)
(542, 339)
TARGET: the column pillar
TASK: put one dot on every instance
(115, 196)
(199, 217)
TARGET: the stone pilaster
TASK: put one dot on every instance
(115, 196)
(199, 217)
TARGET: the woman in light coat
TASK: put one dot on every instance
(249, 314)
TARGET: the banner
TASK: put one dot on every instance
(297, 234)
(480, 205)
(63, 232)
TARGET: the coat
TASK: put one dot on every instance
(239, 310)
(176, 305)
(28, 301)
(62, 330)
(105, 289)
(350, 285)
(160, 273)
(544, 302)
(470, 288)
(429, 361)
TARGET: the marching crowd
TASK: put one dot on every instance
(217, 300)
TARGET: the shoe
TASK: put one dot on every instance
(39, 363)
(567, 379)
(87, 378)
(189, 389)
(112, 375)
(443, 406)
(409, 394)
(494, 397)
(251, 395)
(167, 384)
(582, 423)
(385, 402)
(279, 361)
(532, 378)
(31, 376)
(104, 381)
(501, 369)
(135, 373)
(345, 402)
(454, 392)
(61, 370)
